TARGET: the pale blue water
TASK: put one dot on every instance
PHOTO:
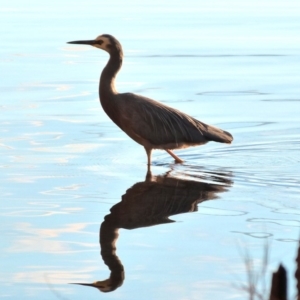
(64, 164)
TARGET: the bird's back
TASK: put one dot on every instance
(158, 126)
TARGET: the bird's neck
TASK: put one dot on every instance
(107, 80)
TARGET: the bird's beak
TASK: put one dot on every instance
(86, 284)
(87, 42)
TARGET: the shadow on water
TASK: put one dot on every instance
(152, 202)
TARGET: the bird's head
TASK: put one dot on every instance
(105, 42)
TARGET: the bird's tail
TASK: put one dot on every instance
(218, 135)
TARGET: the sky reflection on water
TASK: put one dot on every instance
(65, 165)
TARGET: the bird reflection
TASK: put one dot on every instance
(149, 203)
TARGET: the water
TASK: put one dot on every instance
(65, 165)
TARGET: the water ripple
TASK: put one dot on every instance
(288, 223)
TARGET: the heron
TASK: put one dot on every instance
(149, 123)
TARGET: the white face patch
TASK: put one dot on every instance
(104, 45)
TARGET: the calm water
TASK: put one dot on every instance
(185, 232)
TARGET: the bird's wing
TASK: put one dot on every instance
(160, 124)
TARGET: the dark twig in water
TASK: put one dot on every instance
(279, 284)
(297, 273)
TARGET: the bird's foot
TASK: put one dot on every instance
(177, 159)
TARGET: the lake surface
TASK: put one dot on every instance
(69, 174)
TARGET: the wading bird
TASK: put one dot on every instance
(148, 122)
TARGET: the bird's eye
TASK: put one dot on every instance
(100, 42)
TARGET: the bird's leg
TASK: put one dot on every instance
(148, 175)
(148, 152)
(177, 159)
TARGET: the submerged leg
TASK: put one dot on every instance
(177, 159)
(148, 175)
